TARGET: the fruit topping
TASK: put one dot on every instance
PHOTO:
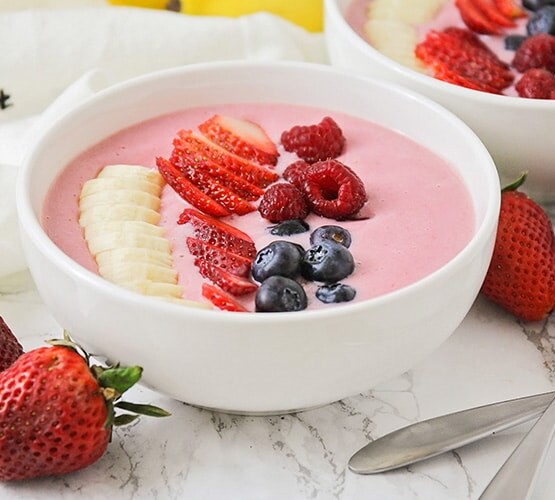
(240, 137)
(188, 191)
(483, 16)
(218, 233)
(289, 227)
(186, 141)
(280, 257)
(231, 283)
(513, 42)
(542, 21)
(315, 142)
(57, 412)
(327, 262)
(458, 56)
(521, 275)
(536, 83)
(537, 51)
(10, 348)
(280, 294)
(282, 202)
(335, 234)
(333, 190)
(510, 9)
(536, 4)
(218, 256)
(337, 292)
(220, 299)
(294, 173)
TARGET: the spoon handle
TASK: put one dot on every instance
(517, 477)
(440, 434)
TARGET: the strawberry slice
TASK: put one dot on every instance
(510, 9)
(217, 191)
(482, 17)
(231, 283)
(241, 137)
(222, 300)
(253, 173)
(183, 155)
(218, 233)
(218, 256)
(188, 191)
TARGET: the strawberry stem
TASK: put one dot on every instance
(513, 186)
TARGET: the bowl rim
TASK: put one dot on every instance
(331, 8)
(30, 224)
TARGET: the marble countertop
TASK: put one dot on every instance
(201, 454)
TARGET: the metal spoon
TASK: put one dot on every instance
(517, 478)
(432, 437)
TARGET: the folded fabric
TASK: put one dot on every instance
(53, 59)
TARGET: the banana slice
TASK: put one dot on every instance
(119, 214)
(406, 11)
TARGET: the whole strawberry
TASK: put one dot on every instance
(521, 276)
(10, 348)
(56, 412)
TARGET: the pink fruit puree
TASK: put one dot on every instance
(420, 213)
(448, 15)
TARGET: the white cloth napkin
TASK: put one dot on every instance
(52, 59)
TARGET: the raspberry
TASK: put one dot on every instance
(536, 83)
(537, 51)
(333, 190)
(294, 173)
(313, 143)
(283, 202)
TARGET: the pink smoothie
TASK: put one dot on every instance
(420, 213)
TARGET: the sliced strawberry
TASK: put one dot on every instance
(218, 233)
(188, 191)
(184, 156)
(510, 9)
(253, 173)
(222, 300)
(241, 137)
(477, 18)
(446, 74)
(231, 283)
(217, 191)
(232, 262)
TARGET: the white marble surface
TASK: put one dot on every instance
(200, 454)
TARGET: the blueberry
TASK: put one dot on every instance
(332, 233)
(289, 227)
(328, 262)
(280, 294)
(338, 292)
(279, 257)
(543, 21)
(536, 4)
(512, 42)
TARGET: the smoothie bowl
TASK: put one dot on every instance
(188, 297)
(513, 128)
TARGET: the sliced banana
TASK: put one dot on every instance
(406, 11)
(119, 214)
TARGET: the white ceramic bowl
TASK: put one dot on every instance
(515, 130)
(259, 363)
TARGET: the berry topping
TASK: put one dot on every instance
(333, 190)
(294, 173)
(232, 262)
(282, 202)
(231, 283)
(327, 262)
(458, 56)
(543, 21)
(510, 9)
(536, 4)
(280, 294)
(315, 142)
(218, 233)
(278, 258)
(338, 292)
(335, 234)
(537, 51)
(536, 83)
(220, 299)
(10, 348)
(241, 137)
(290, 227)
(482, 16)
(513, 42)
